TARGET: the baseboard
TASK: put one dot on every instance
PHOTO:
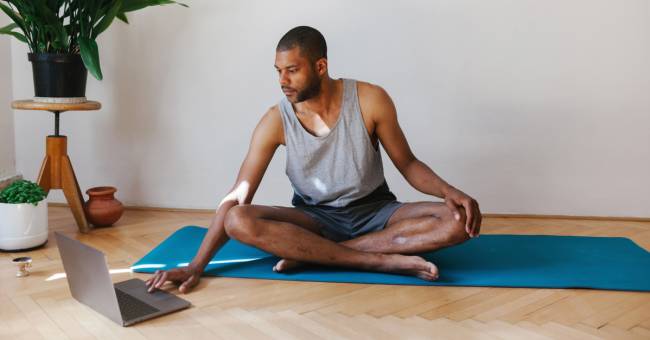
(570, 217)
(488, 215)
(126, 207)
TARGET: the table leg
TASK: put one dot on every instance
(57, 173)
(44, 176)
(73, 194)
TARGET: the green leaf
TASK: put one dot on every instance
(90, 56)
(16, 35)
(41, 46)
(122, 17)
(107, 19)
(134, 5)
(55, 26)
(8, 30)
(18, 20)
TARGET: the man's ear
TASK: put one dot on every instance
(321, 66)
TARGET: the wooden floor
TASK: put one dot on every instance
(225, 308)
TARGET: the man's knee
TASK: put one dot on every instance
(455, 228)
(239, 223)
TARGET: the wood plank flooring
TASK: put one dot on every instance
(225, 308)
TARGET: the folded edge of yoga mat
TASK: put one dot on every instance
(534, 261)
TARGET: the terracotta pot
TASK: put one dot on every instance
(102, 209)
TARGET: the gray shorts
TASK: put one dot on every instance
(365, 215)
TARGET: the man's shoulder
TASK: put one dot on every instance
(372, 97)
(368, 87)
(272, 116)
(371, 94)
(271, 123)
(273, 111)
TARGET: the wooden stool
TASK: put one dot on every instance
(56, 170)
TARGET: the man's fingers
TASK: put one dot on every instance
(476, 219)
(155, 274)
(176, 276)
(468, 221)
(454, 209)
(161, 280)
(456, 213)
(479, 220)
(473, 218)
(188, 284)
(151, 282)
(151, 286)
(155, 280)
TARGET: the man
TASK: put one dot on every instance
(344, 214)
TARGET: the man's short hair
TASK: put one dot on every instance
(310, 41)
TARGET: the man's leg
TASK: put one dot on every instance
(414, 228)
(275, 230)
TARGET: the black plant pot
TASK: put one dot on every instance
(58, 77)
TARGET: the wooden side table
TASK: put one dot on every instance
(56, 170)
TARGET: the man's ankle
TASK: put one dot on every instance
(379, 260)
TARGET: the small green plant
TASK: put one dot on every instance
(22, 191)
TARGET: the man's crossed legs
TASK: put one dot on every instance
(295, 237)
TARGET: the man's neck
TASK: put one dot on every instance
(324, 101)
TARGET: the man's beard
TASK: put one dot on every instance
(312, 90)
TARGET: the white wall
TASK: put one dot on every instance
(531, 106)
(7, 155)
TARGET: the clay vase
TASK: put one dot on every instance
(102, 209)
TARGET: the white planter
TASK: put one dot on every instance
(23, 226)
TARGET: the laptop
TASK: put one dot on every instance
(125, 302)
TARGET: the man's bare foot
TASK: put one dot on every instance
(285, 265)
(401, 264)
(409, 265)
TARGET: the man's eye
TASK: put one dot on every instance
(292, 71)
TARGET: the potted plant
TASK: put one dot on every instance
(61, 36)
(23, 216)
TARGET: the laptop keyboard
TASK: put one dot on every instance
(131, 307)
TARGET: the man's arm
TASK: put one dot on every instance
(264, 142)
(375, 102)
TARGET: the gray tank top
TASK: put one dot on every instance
(337, 168)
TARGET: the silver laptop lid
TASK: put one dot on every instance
(88, 277)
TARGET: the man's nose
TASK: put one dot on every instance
(284, 79)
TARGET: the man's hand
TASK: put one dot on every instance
(456, 198)
(185, 277)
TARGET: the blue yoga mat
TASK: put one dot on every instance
(536, 261)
